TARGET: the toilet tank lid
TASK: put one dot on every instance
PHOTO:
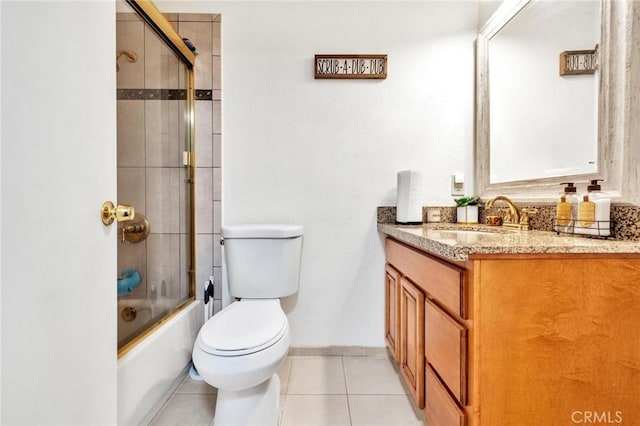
(262, 231)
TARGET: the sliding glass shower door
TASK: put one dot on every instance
(155, 175)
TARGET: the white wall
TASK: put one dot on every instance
(325, 153)
(0, 218)
(57, 167)
(486, 9)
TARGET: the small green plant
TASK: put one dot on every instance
(467, 201)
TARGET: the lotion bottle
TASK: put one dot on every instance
(563, 214)
(598, 223)
(586, 215)
(567, 209)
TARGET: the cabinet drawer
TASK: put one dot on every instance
(446, 349)
(439, 408)
(441, 281)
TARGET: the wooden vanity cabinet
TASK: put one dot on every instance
(518, 339)
(557, 339)
(432, 341)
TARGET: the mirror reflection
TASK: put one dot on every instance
(542, 124)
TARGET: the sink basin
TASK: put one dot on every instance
(452, 233)
(469, 232)
(468, 235)
(473, 229)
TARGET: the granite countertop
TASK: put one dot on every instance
(459, 242)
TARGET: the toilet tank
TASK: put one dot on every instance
(263, 261)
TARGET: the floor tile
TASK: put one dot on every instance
(313, 392)
(315, 410)
(186, 409)
(382, 410)
(283, 399)
(316, 375)
(194, 386)
(366, 351)
(283, 373)
(371, 376)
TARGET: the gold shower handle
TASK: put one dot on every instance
(121, 213)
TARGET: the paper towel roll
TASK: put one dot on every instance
(409, 201)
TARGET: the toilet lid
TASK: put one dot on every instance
(243, 327)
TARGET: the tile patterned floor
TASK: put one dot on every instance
(315, 391)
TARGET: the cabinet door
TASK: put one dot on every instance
(392, 311)
(412, 338)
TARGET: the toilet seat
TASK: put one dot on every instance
(243, 328)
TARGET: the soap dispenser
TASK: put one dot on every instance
(567, 209)
(594, 213)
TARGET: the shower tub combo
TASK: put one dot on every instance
(158, 316)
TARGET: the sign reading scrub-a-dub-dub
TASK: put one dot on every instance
(351, 66)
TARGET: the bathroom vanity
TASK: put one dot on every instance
(498, 327)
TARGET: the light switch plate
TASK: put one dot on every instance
(457, 184)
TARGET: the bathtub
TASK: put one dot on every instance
(146, 313)
(147, 372)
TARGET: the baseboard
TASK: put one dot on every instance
(376, 352)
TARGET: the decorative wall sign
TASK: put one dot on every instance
(351, 66)
(574, 62)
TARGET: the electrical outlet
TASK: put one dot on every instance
(457, 184)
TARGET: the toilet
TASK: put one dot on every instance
(239, 350)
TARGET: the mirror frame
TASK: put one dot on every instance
(618, 151)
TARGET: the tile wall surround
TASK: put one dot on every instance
(204, 32)
(145, 156)
(162, 94)
(626, 219)
(150, 138)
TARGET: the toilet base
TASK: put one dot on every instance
(259, 405)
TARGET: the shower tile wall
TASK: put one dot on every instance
(204, 32)
(150, 175)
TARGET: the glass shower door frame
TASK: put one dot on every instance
(161, 26)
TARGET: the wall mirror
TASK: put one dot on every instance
(537, 128)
